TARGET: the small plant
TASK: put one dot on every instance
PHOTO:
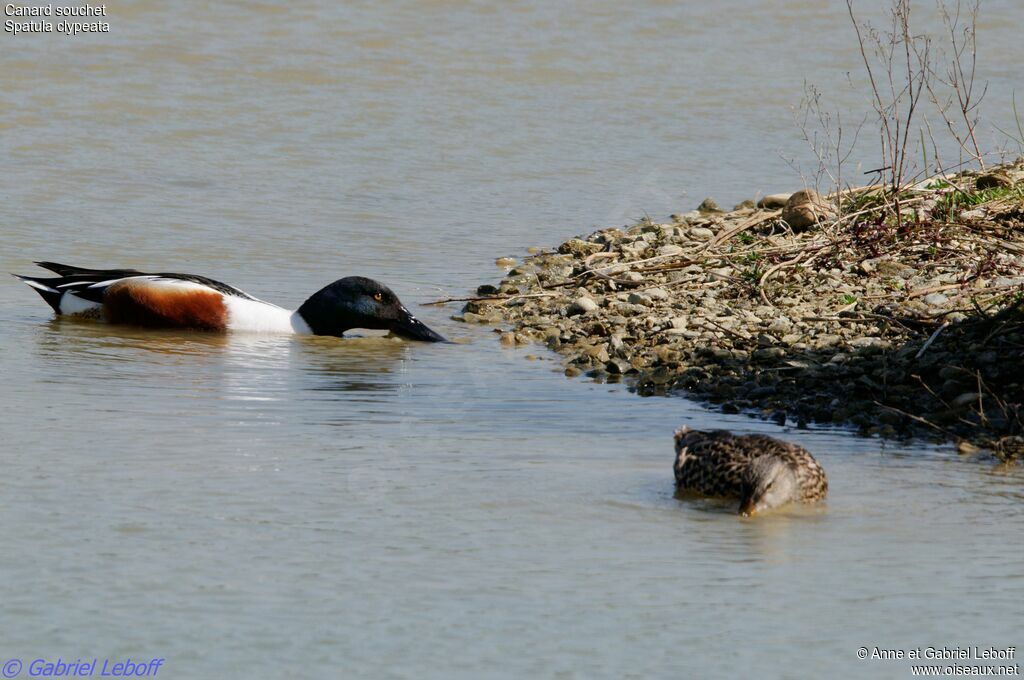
(951, 204)
(752, 275)
(746, 238)
(848, 299)
(644, 221)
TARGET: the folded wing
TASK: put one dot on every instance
(133, 297)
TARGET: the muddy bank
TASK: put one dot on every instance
(803, 309)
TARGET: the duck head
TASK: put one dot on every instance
(768, 483)
(358, 302)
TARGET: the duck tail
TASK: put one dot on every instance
(66, 269)
(45, 290)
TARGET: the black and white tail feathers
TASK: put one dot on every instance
(45, 290)
(77, 279)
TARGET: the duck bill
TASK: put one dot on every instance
(411, 328)
(747, 507)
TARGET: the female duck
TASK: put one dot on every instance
(196, 302)
(761, 471)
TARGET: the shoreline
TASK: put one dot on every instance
(801, 309)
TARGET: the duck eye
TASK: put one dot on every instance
(378, 296)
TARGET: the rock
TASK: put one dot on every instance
(994, 180)
(708, 205)
(966, 448)
(679, 322)
(966, 399)
(508, 339)
(744, 205)
(598, 353)
(773, 201)
(583, 305)
(670, 250)
(721, 272)
(768, 353)
(935, 299)
(579, 247)
(487, 289)
(977, 214)
(805, 208)
(618, 366)
(657, 293)
(634, 251)
(701, 234)
(827, 340)
(640, 299)
(505, 262)
(866, 342)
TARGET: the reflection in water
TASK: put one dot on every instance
(64, 337)
(358, 364)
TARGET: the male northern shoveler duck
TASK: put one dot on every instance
(761, 471)
(199, 303)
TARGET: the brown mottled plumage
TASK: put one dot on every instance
(761, 471)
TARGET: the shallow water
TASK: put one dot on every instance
(277, 507)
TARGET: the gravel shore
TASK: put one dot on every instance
(801, 308)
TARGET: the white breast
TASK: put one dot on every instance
(256, 316)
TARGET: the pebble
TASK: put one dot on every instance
(935, 299)
(618, 366)
(657, 293)
(773, 201)
(866, 342)
(966, 448)
(701, 234)
(708, 205)
(583, 305)
(805, 208)
(966, 399)
(579, 247)
(766, 353)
